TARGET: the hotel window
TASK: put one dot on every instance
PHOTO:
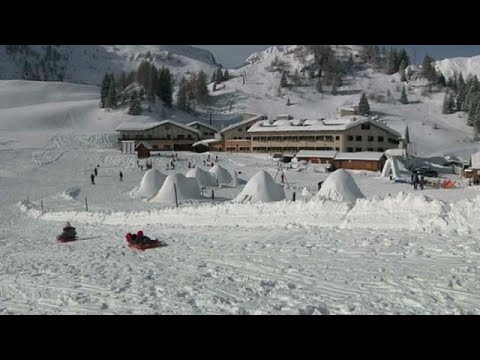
(380, 149)
(370, 138)
(350, 138)
(358, 149)
(365, 126)
(337, 137)
(337, 149)
(380, 139)
(358, 138)
(349, 149)
(370, 149)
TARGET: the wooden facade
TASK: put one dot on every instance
(143, 152)
(360, 164)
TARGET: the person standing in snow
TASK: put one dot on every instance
(216, 158)
(282, 177)
(189, 165)
(121, 176)
(422, 181)
(415, 180)
(92, 178)
(320, 185)
(95, 171)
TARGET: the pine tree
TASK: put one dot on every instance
(104, 90)
(445, 105)
(319, 86)
(441, 79)
(296, 77)
(214, 77)
(182, 94)
(334, 86)
(364, 106)
(111, 100)
(135, 107)
(226, 75)
(201, 89)
(350, 62)
(428, 70)
(403, 98)
(283, 80)
(219, 76)
(391, 62)
(402, 56)
(164, 88)
(401, 70)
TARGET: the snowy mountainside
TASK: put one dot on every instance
(464, 65)
(87, 64)
(431, 132)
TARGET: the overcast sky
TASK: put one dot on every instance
(231, 56)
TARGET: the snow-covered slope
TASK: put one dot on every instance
(464, 65)
(431, 132)
(87, 64)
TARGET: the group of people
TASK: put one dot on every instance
(137, 238)
(95, 174)
(209, 161)
(69, 232)
(417, 180)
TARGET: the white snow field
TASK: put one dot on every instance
(395, 251)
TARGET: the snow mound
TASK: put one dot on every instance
(464, 65)
(306, 193)
(340, 186)
(151, 182)
(261, 188)
(71, 193)
(204, 178)
(222, 175)
(187, 189)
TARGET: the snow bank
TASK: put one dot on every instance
(187, 189)
(222, 175)
(403, 212)
(71, 193)
(204, 178)
(151, 182)
(340, 186)
(261, 188)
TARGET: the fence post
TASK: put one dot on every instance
(175, 191)
(293, 196)
(86, 203)
(213, 194)
(41, 204)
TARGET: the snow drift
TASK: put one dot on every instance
(340, 186)
(261, 188)
(151, 182)
(222, 175)
(204, 178)
(71, 193)
(187, 189)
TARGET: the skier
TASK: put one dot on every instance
(415, 180)
(189, 165)
(68, 231)
(216, 158)
(422, 181)
(283, 178)
(168, 166)
(92, 177)
(141, 167)
(95, 171)
(121, 176)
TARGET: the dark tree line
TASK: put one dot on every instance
(220, 76)
(192, 91)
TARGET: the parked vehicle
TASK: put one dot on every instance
(426, 171)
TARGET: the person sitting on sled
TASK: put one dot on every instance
(68, 231)
(142, 239)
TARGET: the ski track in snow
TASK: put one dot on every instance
(278, 258)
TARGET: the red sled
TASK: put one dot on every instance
(66, 239)
(149, 245)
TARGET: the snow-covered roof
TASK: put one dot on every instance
(144, 143)
(341, 124)
(143, 126)
(240, 123)
(475, 161)
(202, 124)
(399, 126)
(206, 142)
(316, 154)
(395, 152)
(362, 155)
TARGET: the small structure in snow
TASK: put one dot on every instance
(261, 188)
(151, 182)
(143, 150)
(187, 189)
(222, 175)
(340, 186)
(204, 178)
